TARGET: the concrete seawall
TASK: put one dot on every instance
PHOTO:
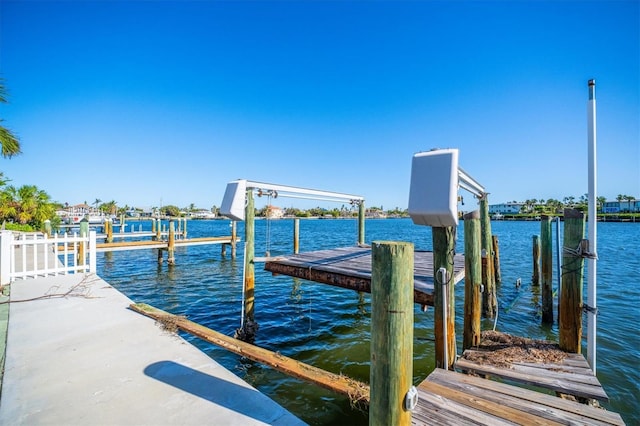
(85, 358)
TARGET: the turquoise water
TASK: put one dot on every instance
(329, 327)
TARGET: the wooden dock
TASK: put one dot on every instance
(140, 245)
(350, 268)
(451, 398)
(532, 362)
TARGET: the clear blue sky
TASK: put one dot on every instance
(157, 101)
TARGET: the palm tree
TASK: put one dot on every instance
(629, 199)
(97, 202)
(600, 202)
(9, 142)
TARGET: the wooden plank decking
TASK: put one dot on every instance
(451, 398)
(572, 376)
(532, 362)
(350, 267)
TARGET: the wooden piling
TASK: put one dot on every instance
(391, 332)
(47, 227)
(249, 327)
(84, 232)
(361, 214)
(171, 246)
(546, 262)
(296, 236)
(153, 226)
(184, 229)
(489, 301)
(472, 280)
(159, 230)
(443, 253)
(234, 238)
(535, 276)
(570, 303)
(497, 271)
(109, 225)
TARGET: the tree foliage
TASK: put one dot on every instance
(9, 142)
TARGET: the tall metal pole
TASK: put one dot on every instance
(592, 221)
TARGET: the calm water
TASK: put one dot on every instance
(329, 327)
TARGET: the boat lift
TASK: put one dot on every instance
(234, 200)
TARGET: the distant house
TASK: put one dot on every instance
(274, 212)
(621, 206)
(203, 214)
(505, 208)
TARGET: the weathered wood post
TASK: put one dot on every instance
(47, 227)
(443, 254)
(472, 280)
(570, 306)
(248, 329)
(546, 260)
(84, 232)
(296, 236)
(109, 225)
(122, 223)
(535, 276)
(171, 244)
(361, 214)
(497, 271)
(489, 302)
(391, 373)
(159, 230)
(234, 237)
(184, 229)
(153, 228)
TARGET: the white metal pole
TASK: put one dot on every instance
(445, 305)
(592, 221)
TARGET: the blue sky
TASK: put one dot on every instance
(152, 102)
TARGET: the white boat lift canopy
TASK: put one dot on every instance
(233, 202)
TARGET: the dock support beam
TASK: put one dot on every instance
(296, 236)
(497, 271)
(108, 224)
(472, 281)
(391, 332)
(247, 330)
(570, 306)
(535, 275)
(444, 295)
(171, 246)
(361, 214)
(234, 237)
(84, 232)
(489, 302)
(546, 260)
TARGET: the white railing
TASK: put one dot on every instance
(31, 255)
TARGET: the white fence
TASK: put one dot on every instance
(31, 255)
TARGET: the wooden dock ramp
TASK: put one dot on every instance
(350, 268)
(451, 398)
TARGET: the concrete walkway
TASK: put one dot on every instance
(85, 359)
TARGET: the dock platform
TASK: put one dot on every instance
(451, 398)
(141, 245)
(532, 362)
(350, 268)
(76, 354)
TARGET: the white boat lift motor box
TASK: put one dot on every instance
(234, 200)
(433, 195)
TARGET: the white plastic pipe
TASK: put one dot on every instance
(592, 222)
